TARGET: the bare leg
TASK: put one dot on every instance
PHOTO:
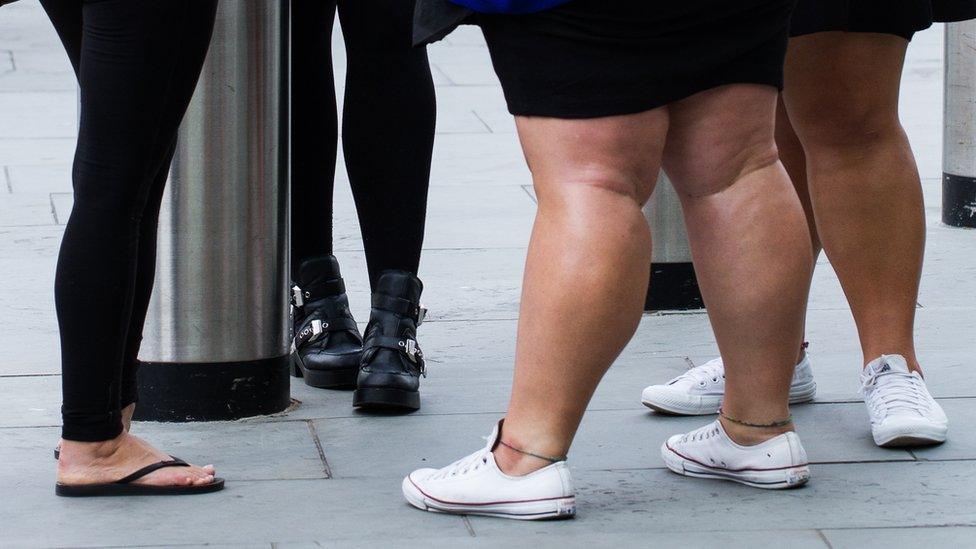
(842, 98)
(587, 269)
(750, 245)
(794, 160)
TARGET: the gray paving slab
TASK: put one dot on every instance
(246, 512)
(794, 539)
(472, 216)
(488, 159)
(46, 114)
(902, 538)
(43, 179)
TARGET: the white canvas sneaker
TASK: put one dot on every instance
(708, 452)
(902, 411)
(699, 391)
(474, 485)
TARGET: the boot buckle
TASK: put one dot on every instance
(297, 298)
(413, 352)
(421, 314)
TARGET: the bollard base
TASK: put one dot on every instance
(217, 391)
(958, 200)
(674, 286)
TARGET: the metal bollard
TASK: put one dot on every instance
(959, 136)
(673, 282)
(216, 341)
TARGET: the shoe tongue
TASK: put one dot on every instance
(318, 269)
(887, 363)
(495, 433)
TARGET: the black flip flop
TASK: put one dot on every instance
(125, 486)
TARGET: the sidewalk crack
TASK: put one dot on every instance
(823, 537)
(326, 468)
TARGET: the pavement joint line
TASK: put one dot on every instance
(483, 123)
(326, 468)
(451, 83)
(13, 62)
(468, 526)
(528, 191)
(54, 209)
(8, 179)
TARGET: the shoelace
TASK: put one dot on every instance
(899, 392)
(464, 465)
(701, 433)
(713, 370)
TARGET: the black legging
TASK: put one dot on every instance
(387, 130)
(137, 63)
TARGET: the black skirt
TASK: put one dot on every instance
(593, 58)
(898, 17)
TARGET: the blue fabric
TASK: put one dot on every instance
(509, 6)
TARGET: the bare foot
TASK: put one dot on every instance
(111, 460)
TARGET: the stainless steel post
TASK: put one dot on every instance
(216, 340)
(673, 282)
(959, 137)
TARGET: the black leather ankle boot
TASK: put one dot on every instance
(327, 347)
(389, 375)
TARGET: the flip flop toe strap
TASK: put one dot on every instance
(175, 462)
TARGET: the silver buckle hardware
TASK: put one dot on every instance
(317, 327)
(412, 350)
(297, 298)
(310, 333)
(421, 315)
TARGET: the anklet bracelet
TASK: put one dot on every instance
(519, 450)
(780, 423)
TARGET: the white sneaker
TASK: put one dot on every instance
(708, 452)
(902, 411)
(699, 391)
(474, 485)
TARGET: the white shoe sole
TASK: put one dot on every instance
(556, 508)
(910, 434)
(667, 402)
(777, 479)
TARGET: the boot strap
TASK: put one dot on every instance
(316, 328)
(400, 306)
(300, 296)
(406, 346)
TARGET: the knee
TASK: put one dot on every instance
(715, 168)
(596, 184)
(844, 127)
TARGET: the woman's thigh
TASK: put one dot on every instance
(842, 86)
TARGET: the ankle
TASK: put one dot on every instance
(77, 451)
(515, 463)
(749, 435)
